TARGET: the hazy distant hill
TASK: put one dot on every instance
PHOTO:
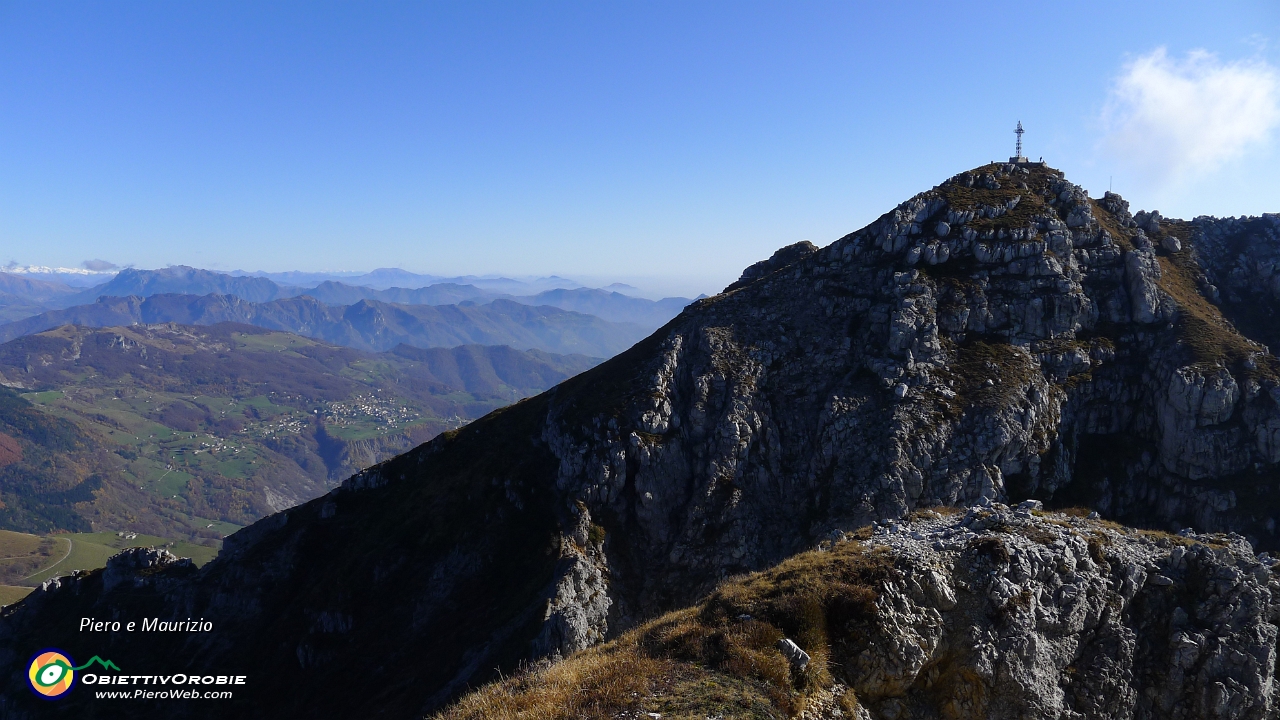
(33, 289)
(612, 306)
(366, 325)
(183, 280)
(336, 293)
(169, 429)
(13, 308)
(394, 277)
(387, 278)
(23, 297)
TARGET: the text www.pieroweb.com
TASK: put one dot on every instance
(163, 687)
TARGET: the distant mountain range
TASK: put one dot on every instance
(611, 306)
(71, 277)
(386, 278)
(332, 292)
(22, 296)
(366, 325)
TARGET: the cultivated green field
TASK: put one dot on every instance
(23, 555)
(29, 560)
(10, 594)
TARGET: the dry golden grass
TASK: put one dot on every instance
(1108, 222)
(719, 657)
(1201, 325)
(596, 683)
(1037, 534)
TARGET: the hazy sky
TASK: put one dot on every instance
(606, 140)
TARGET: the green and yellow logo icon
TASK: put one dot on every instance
(52, 672)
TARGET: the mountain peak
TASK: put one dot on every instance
(1001, 337)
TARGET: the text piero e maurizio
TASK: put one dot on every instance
(147, 625)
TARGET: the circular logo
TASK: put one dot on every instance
(51, 674)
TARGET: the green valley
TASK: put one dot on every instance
(192, 432)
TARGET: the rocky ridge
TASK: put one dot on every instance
(991, 611)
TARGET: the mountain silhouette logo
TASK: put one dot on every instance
(52, 672)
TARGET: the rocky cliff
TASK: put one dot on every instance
(990, 612)
(1000, 337)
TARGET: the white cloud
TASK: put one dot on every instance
(1171, 119)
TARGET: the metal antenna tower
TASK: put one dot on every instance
(1018, 132)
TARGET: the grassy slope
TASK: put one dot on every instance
(24, 554)
(718, 658)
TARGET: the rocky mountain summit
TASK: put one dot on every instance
(998, 338)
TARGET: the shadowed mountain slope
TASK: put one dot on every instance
(1001, 336)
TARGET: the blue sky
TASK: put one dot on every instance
(667, 144)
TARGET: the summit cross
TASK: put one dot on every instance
(1017, 158)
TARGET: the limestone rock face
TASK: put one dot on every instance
(1000, 612)
(577, 614)
(1141, 274)
(1239, 260)
(131, 567)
